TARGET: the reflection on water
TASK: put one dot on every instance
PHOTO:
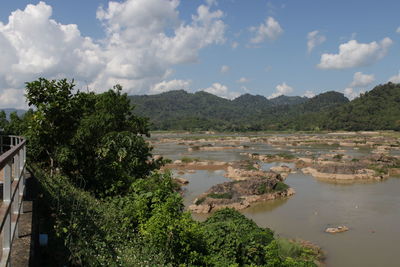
(371, 210)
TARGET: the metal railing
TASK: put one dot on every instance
(12, 167)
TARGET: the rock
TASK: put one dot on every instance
(203, 208)
(281, 169)
(181, 181)
(338, 229)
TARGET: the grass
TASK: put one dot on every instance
(200, 201)
(226, 195)
(295, 250)
(262, 189)
(188, 159)
(380, 170)
(250, 166)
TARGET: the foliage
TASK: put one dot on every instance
(234, 239)
(105, 197)
(377, 109)
(179, 110)
(94, 139)
(280, 186)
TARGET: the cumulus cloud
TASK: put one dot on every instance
(243, 80)
(350, 93)
(360, 79)
(221, 90)
(395, 78)
(144, 40)
(225, 69)
(269, 30)
(314, 39)
(281, 89)
(354, 54)
(166, 86)
(309, 94)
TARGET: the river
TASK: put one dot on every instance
(371, 209)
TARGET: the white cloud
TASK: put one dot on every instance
(395, 78)
(12, 98)
(243, 80)
(270, 29)
(144, 40)
(221, 90)
(350, 93)
(166, 86)
(360, 79)
(354, 54)
(309, 94)
(234, 45)
(314, 39)
(281, 89)
(225, 69)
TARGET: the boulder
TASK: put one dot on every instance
(335, 230)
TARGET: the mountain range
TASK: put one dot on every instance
(378, 109)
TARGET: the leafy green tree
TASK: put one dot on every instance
(93, 138)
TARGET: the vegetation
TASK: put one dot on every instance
(106, 201)
(280, 186)
(377, 109)
(225, 195)
(189, 159)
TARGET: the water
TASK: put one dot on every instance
(371, 210)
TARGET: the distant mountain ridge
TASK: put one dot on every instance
(180, 110)
(378, 109)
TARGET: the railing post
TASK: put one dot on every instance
(6, 201)
(16, 199)
(13, 162)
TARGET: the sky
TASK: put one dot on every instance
(225, 47)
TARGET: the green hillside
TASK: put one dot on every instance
(180, 110)
(378, 109)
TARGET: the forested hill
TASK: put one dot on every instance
(180, 110)
(378, 109)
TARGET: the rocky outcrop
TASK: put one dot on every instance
(181, 181)
(240, 194)
(358, 175)
(213, 148)
(197, 165)
(335, 230)
(280, 157)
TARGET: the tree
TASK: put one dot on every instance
(92, 138)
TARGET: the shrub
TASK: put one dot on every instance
(280, 186)
(226, 195)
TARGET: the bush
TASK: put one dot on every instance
(280, 186)
(233, 239)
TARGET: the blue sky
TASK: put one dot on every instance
(226, 47)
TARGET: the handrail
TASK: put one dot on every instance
(13, 165)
